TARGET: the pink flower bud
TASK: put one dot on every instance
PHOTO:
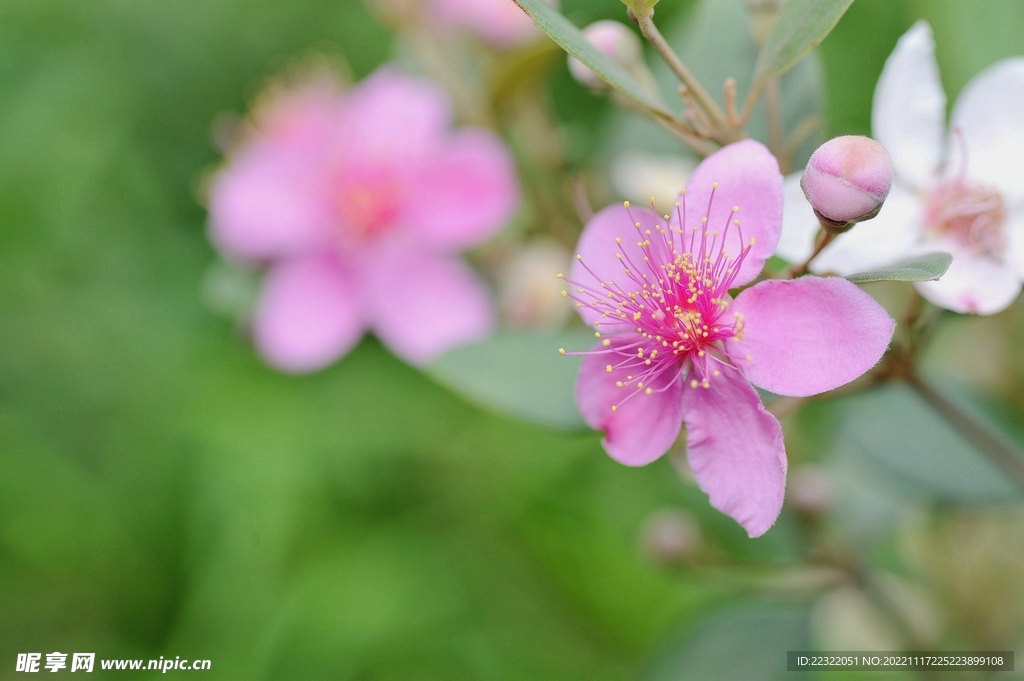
(811, 489)
(671, 537)
(615, 41)
(847, 180)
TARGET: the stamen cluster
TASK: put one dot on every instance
(669, 311)
(972, 214)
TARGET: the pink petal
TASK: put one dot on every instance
(735, 450)
(908, 115)
(597, 250)
(302, 115)
(423, 305)
(643, 427)
(809, 335)
(499, 22)
(748, 176)
(394, 119)
(308, 314)
(466, 193)
(973, 283)
(267, 204)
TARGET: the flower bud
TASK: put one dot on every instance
(528, 294)
(811, 489)
(847, 180)
(671, 537)
(615, 41)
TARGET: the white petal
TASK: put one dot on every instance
(990, 114)
(1015, 235)
(909, 112)
(884, 240)
(799, 223)
(973, 283)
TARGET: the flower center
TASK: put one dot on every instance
(973, 215)
(366, 205)
(671, 313)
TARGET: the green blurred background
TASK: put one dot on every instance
(162, 492)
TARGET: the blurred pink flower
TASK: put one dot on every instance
(358, 201)
(678, 349)
(498, 22)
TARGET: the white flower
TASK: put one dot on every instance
(961, 192)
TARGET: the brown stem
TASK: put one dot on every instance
(999, 452)
(773, 107)
(782, 407)
(751, 101)
(729, 92)
(726, 132)
(694, 141)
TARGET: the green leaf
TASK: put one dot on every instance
(742, 643)
(801, 26)
(893, 427)
(519, 374)
(571, 39)
(926, 267)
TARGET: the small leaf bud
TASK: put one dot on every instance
(671, 537)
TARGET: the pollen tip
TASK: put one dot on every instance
(558, 276)
(608, 368)
(565, 293)
(735, 209)
(561, 351)
(606, 342)
(714, 185)
(614, 407)
(625, 204)
(647, 392)
(693, 383)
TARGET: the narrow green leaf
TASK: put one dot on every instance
(519, 374)
(801, 26)
(571, 39)
(926, 267)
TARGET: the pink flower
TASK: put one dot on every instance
(498, 22)
(678, 349)
(358, 202)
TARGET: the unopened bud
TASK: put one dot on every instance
(847, 180)
(811, 489)
(615, 41)
(671, 537)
